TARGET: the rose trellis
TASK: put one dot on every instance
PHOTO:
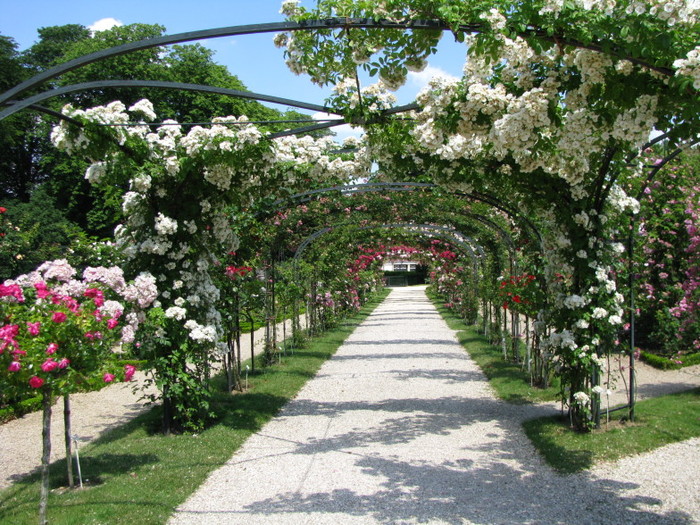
(180, 188)
(556, 100)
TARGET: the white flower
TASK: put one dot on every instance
(574, 301)
(599, 313)
(582, 399)
(95, 172)
(290, 7)
(582, 324)
(143, 291)
(165, 225)
(146, 107)
(176, 312)
(615, 320)
(201, 333)
(141, 183)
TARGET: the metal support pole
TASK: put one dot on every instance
(630, 271)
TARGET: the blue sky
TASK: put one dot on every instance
(253, 58)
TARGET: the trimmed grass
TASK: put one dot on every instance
(136, 475)
(509, 380)
(658, 422)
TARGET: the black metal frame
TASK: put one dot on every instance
(9, 97)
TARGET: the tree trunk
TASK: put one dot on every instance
(229, 360)
(45, 456)
(167, 411)
(67, 436)
(249, 315)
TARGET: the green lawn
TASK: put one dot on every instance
(658, 421)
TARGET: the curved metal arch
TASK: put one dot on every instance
(407, 226)
(54, 113)
(85, 86)
(16, 106)
(190, 36)
(275, 27)
(372, 187)
(668, 158)
(495, 226)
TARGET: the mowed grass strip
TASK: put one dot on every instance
(659, 421)
(135, 475)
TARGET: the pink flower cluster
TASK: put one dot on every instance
(41, 319)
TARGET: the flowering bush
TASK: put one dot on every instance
(545, 121)
(521, 293)
(178, 218)
(63, 333)
(667, 284)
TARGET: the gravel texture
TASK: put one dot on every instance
(400, 426)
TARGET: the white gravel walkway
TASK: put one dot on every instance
(400, 426)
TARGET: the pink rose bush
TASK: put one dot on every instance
(62, 332)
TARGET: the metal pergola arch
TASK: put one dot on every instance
(376, 187)
(475, 252)
(354, 189)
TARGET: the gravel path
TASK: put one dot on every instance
(377, 438)
(400, 426)
(92, 414)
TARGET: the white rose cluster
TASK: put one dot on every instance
(165, 225)
(690, 66)
(201, 333)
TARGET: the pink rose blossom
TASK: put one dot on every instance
(129, 371)
(59, 317)
(14, 366)
(63, 363)
(12, 290)
(112, 323)
(96, 295)
(42, 292)
(49, 365)
(108, 378)
(36, 382)
(33, 328)
(51, 349)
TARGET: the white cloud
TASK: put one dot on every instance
(420, 80)
(103, 24)
(343, 131)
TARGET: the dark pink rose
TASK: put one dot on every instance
(96, 295)
(49, 365)
(129, 371)
(33, 328)
(42, 292)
